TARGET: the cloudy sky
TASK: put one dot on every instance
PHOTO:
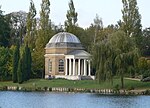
(108, 10)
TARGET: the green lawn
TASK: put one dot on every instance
(78, 84)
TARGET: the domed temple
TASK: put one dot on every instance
(65, 57)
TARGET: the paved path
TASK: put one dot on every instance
(135, 79)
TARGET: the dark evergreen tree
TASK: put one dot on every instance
(24, 60)
(20, 71)
(27, 63)
(16, 54)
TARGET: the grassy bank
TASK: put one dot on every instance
(88, 84)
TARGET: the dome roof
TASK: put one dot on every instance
(64, 39)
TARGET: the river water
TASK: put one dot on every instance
(10, 99)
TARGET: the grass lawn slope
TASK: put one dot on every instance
(88, 84)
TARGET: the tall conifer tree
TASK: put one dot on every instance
(31, 26)
(16, 56)
(71, 15)
(131, 24)
(27, 63)
(20, 71)
(44, 34)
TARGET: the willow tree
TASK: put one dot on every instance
(31, 26)
(71, 15)
(99, 58)
(131, 24)
(124, 47)
(103, 59)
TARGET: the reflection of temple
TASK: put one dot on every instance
(66, 58)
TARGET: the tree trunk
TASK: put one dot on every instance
(122, 81)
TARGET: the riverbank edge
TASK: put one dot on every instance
(77, 90)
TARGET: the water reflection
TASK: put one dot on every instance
(70, 100)
(117, 101)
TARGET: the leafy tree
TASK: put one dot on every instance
(114, 52)
(16, 55)
(99, 58)
(123, 47)
(131, 24)
(31, 26)
(17, 25)
(70, 23)
(144, 67)
(146, 42)
(4, 30)
(57, 28)
(5, 57)
(44, 24)
(72, 26)
(98, 24)
(44, 34)
(103, 57)
(29, 62)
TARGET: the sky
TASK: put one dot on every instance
(108, 10)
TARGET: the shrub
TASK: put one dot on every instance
(45, 88)
(147, 92)
(146, 79)
(116, 87)
(130, 88)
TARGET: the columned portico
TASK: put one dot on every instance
(75, 67)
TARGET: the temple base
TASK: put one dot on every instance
(71, 77)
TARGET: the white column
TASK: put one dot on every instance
(89, 67)
(70, 66)
(78, 66)
(66, 68)
(85, 71)
(74, 66)
(82, 66)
